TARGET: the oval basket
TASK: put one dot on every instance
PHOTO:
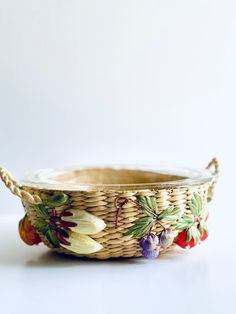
(115, 212)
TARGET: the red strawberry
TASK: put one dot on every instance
(27, 233)
(181, 240)
(204, 235)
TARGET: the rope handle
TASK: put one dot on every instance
(214, 167)
(13, 186)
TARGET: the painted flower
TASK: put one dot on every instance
(82, 244)
(79, 225)
(69, 228)
(82, 221)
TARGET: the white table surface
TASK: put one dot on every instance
(34, 280)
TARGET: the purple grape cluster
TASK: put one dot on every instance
(166, 238)
(150, 244)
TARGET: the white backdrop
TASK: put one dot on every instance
(97, 82)
(128, 81)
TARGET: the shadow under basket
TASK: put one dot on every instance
(115, 212)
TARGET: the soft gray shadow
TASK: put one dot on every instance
(54, 259)
(174, 254)
(14, 254)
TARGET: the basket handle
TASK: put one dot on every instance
(214, 165)
(16, 189)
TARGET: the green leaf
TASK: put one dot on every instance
(184, 222)
(150, 202)
(192, 233)
(55, 200)
(51, 236)
(189, 235)
(195, 234)
(196, 204)
(202, 227)
(42, 226)
(140, 227)
(142, 199)
(41, 211)
(170, 214)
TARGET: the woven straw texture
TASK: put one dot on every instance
(100, 202)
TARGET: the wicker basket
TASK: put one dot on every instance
(115, 212)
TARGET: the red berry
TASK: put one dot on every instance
(28, 233)
(181, 240)
(204, 235)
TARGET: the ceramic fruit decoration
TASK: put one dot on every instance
(28, 233)
(150, 242)
(192, 227)
(62, 226)
(186, 230)
(149, 245)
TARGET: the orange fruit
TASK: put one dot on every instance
(27, 232)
